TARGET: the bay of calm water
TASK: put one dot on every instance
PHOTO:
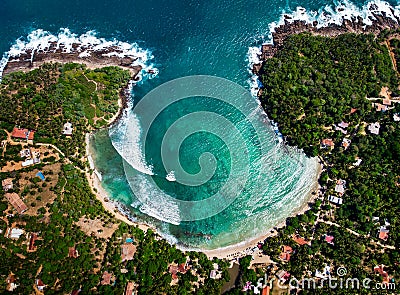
(186, 38)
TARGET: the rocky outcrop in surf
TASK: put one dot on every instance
(65, 47)
(375, 18)
(57, 53)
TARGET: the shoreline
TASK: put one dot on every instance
(102, 196)
(31, 59)
(242, 248)
(292, 26)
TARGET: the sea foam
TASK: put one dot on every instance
(41, 41)
(325, 16)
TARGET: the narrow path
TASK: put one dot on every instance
(391, 54)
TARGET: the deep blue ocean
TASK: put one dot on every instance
(187, 38)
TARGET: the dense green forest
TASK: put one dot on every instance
(312, 83)
(46, 98)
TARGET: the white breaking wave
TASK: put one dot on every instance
(325, 16)
(41, 41)
(171, 176)
(154, 202)
(126, 137)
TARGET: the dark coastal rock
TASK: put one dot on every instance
(356, 25)
(108, 56)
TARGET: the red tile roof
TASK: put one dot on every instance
(285, 256)
(106, 278)
(287, 249)
(266, 290)
(128, 250)
(22, 133)
(384, 234)
(32, 246)
(328, 142)
(16, 202)
(299, 240)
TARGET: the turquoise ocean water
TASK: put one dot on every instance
(188, 38)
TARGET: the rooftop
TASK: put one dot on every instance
(130, 287)
(67, 130)
(23, 133)
(299, 240)
(16, 202)
(106, 278)
(328, 142)
(72, 252)
(383, 234)
(7, 184)
(128, 250)
(335, 200)
(32, 240)
(374, 128)
(329, 239)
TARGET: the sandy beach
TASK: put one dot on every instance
(102, 196)
(230, 252)
(245, 248)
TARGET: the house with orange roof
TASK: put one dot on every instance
(106, 278)
(346, 143)
(383, 233)
(301, 241)
(266, 290)
(327, 143)
(32, 241)
(385, 276)
(353, 110)
(22, 133)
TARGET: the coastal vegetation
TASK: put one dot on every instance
(326, 93)
(69, 241)
(46, 98)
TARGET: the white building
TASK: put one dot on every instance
(15, 233)
(374, 128)
(67, 130)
